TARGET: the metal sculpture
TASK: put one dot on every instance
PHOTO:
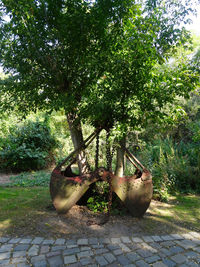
(135, 191)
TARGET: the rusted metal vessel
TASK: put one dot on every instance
(66, 191)
(66, 188)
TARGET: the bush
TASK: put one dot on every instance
(174, 167)
(99, 200)
(28, 146)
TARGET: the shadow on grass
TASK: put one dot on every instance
(23, 212)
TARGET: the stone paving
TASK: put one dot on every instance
(166, 250)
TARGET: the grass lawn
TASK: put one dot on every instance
(22, 207)
(23, 211)
(181, 210)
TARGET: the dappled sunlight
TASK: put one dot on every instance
(162, 205)
(167, 225)
(5, 224)
(35, 216)
(75, 223)
(162, 212)
(177, 212)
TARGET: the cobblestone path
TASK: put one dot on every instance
(166, 250)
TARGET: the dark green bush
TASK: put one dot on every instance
(28, 146)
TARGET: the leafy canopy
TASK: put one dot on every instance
(54, 49)
(99, 58)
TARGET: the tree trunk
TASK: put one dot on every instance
(77, 139)
(120, 164)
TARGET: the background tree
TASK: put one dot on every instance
(96, 59)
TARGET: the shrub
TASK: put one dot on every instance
(28, 146)
(174, 167)
(98, 201)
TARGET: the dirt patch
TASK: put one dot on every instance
(75, 224)
(78, 221)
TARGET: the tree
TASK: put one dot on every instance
(54, 50)
(96, 59)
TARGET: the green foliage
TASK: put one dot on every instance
(103, 65)
(170, 148)
(98, 202)
(140, 82)
(60, 131)
(107, 66)
(27, 179)
(174, 167)
(28, 146)
(54, 65)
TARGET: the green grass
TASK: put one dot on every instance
(20, 199)
(188, 208)
(21, 208)
(182, 210)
